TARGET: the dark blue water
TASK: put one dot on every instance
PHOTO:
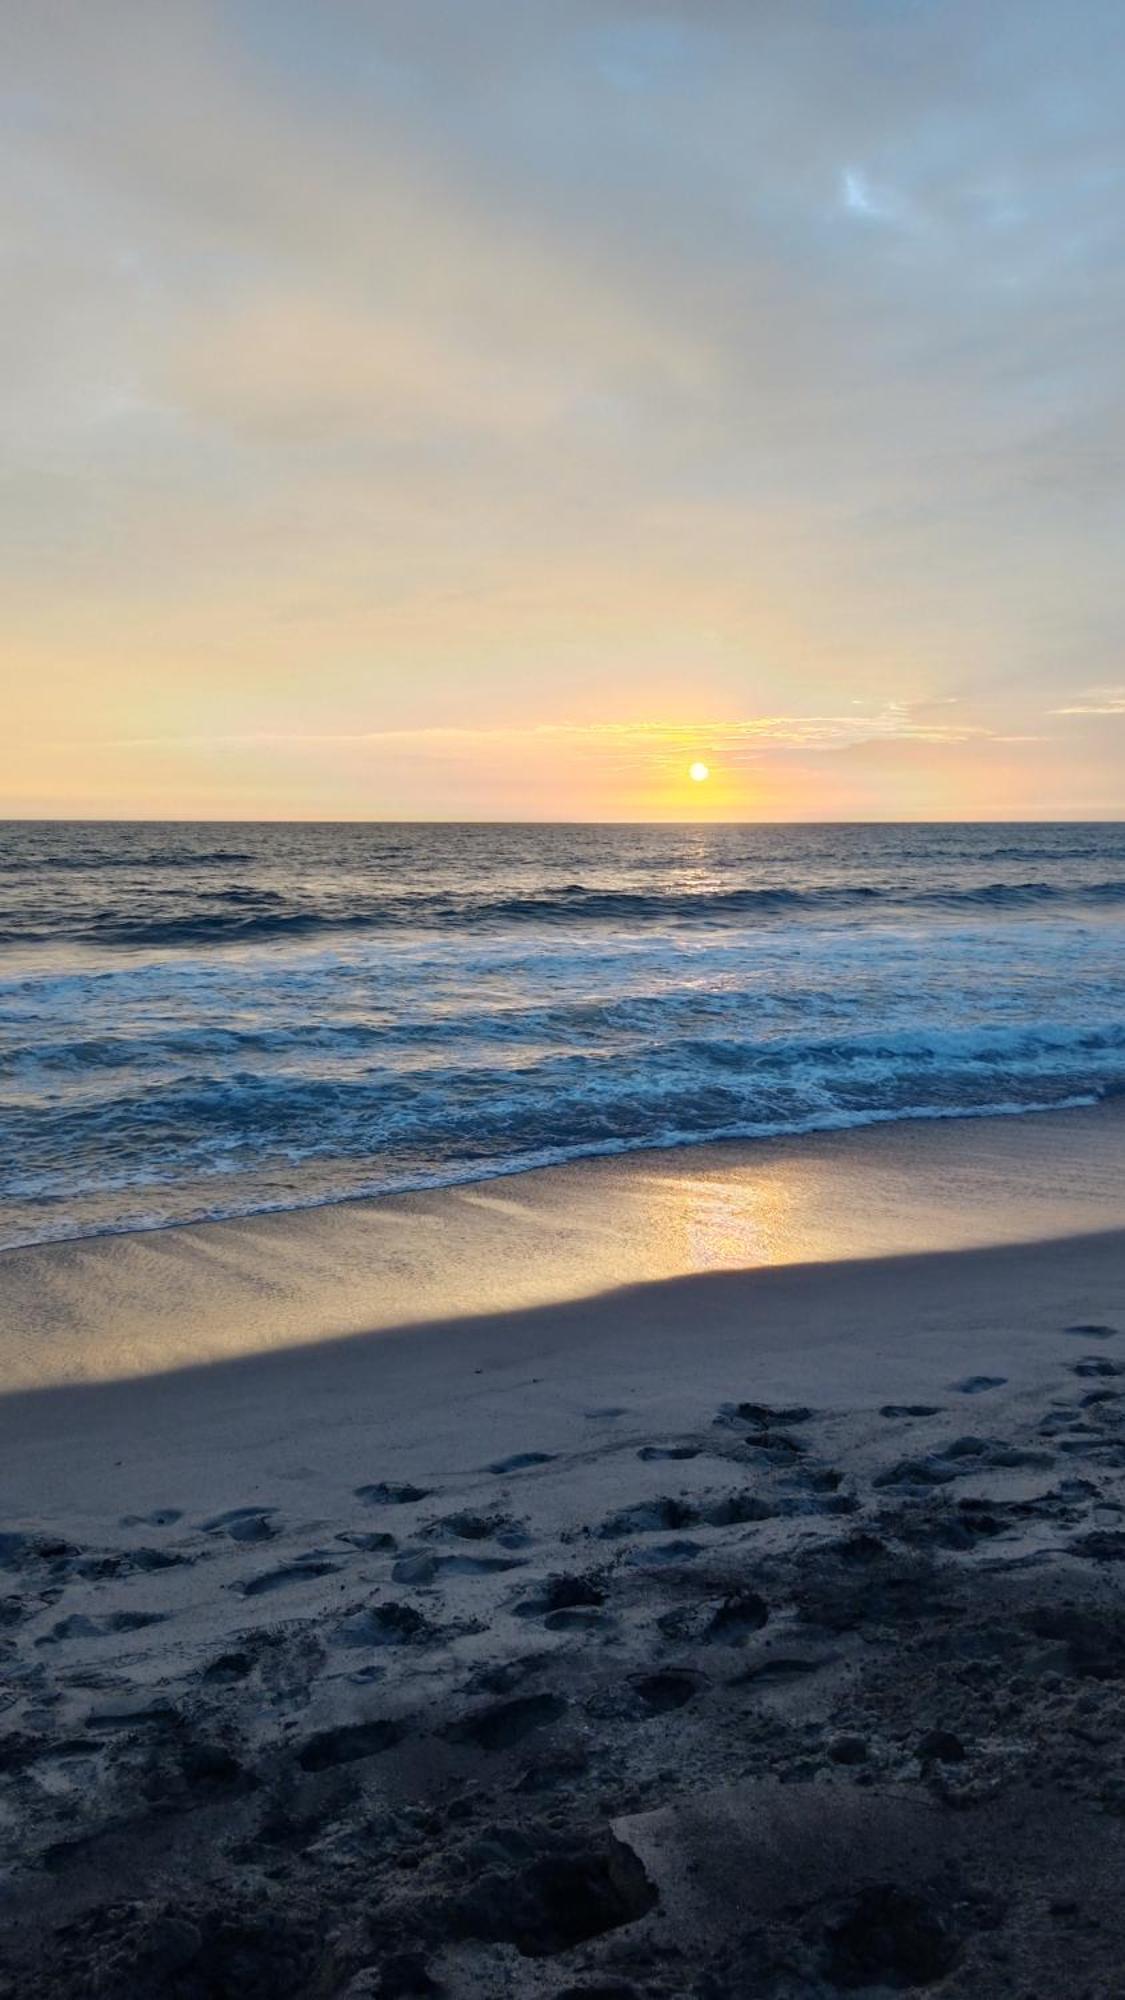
(209, 1020)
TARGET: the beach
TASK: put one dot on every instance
(709, 1586)
(562, 1001)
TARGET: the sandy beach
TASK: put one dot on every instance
(742, 1631)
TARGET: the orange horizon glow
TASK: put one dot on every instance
(882, 764)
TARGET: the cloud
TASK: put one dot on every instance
(893, 723)
(1096, 701)
(859, 197)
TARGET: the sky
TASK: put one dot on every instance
(489, 408)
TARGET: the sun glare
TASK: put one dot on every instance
(699, 772)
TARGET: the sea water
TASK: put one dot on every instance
(212, 1020)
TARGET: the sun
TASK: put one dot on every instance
(699, 772)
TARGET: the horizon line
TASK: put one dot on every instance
(144, 819)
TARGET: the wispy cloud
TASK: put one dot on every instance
(1096, 701)
(860, 196)
(891, 722)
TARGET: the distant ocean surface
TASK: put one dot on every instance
(209, 1020)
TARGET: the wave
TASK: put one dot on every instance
(249, 915)
(195, 1123)
(69, 1230)
(533, 1040)
(39, 865)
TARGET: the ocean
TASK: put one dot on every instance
(213, 1020)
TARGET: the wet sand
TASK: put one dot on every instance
(743, 1631)
(137, 1304)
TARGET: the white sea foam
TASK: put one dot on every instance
(902, 973)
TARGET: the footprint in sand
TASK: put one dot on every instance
(79, 1626)
(228, 1668)
(471, 1527)
(23, 1552)
(738, 1615)
(764, 1416)
(649, 1517)
(416, 1569)
(508, 1722)
(134, 1711)
(130, 1562)
(652, 1516)
(781, 1668)
(1102, 1545)
(577, 1620)
(521, 1461)
(661, 1693)
(421, 1569)
(663, 1554)
(381, 1494)
(1057, 1422)
(964, 1455)
(735, 1508)
(561, 1593)
(348, 1744)
(243, 1524)
(281, 1579)
(975, 1385)
(726, 1623)
(478, 1565)
(390, 1624)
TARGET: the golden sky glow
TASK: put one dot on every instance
(493, 411)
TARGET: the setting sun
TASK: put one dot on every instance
(699, 772)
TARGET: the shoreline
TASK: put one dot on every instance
(120, 1306)
(558, 1160)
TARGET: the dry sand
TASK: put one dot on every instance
(737, 1634)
